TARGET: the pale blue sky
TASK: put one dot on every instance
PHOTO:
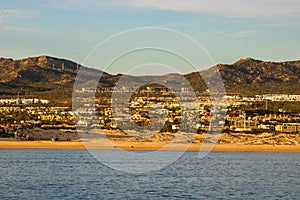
(227, 29)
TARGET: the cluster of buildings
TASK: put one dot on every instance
(18, 101)
(143, 110)
(124, 89)
(263, 121)
(35, 115)
(265, 97)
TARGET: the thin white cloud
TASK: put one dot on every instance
(15, 13)
(280, 25)
(17, 29)
(241, 34)
(7, 13)
(235, 35)
(228, 8)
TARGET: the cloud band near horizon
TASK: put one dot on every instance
(227, 8)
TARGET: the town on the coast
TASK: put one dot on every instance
(23, 119)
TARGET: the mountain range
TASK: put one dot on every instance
(53, 78)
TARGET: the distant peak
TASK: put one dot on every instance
(4, 59)
(42, 58)
(246, 60)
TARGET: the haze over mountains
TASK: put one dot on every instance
(53, 78)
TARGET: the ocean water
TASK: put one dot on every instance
(75, 174)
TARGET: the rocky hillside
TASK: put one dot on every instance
(53, 78)
(42, 77)
(249, 76)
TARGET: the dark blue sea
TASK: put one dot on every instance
(75, 174)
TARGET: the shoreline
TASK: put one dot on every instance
(95, 145)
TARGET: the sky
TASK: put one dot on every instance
(228, 30)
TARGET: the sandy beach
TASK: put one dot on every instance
(113, 140)
(76, 145)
